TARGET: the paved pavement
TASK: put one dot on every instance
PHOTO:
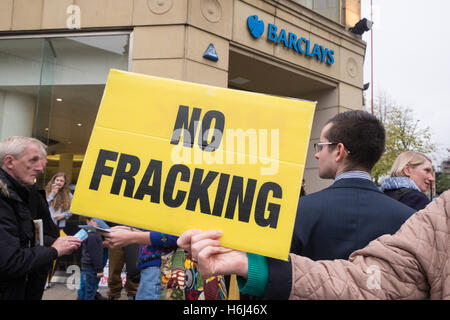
(60, 291)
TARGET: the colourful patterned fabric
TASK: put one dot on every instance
(181, 281)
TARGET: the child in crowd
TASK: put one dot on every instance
(153, 246)
(149, 262)
(91, 262)
(98, 295)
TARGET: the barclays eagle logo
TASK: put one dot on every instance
(255, 26)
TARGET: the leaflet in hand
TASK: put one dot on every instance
(94, 228)
(81, 235)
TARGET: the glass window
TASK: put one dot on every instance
(328, 8)
(51, 88)
(20, 65)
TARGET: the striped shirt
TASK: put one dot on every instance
(353, 174)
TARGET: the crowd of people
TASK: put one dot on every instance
(352, 240)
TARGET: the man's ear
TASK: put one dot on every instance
(7, 161)
(341, 152)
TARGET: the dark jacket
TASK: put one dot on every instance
(18, 255)
(410, 197)
(333, 223)
(92, 252)
(344, 217)
(39, 210)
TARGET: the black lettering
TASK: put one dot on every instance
(122, 174)
(199, 191)
(170, 184)
(182, 122)
(220, 194)
(217, 131)
(266, 213)
(245, 201)
(274, 209)
(153, 170)
(100, 167)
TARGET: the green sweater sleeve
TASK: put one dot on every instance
(258, 276)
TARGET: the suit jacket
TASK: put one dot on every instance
(344, 217)
(411, 264)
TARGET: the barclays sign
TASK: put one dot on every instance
(290, 40)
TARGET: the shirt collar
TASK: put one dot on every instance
(353, 174)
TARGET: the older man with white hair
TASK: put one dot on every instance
(21, 162)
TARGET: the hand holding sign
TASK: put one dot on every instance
(213, 259)
(169, 156)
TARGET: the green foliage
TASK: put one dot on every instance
(442, 182)
(403, 133)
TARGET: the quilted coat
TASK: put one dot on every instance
(414, 263)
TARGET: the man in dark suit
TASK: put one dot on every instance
(346, 216)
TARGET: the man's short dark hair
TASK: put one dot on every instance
(362, 134)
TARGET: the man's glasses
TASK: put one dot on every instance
(319, 145)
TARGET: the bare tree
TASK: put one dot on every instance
(403, 133)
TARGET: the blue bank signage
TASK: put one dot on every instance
(290, 40)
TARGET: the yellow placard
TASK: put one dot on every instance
(169, 156)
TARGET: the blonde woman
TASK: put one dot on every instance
(411, 176)
(59, 199)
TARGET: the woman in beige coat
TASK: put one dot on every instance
(414, 263)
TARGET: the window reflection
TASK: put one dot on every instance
(51, 88)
